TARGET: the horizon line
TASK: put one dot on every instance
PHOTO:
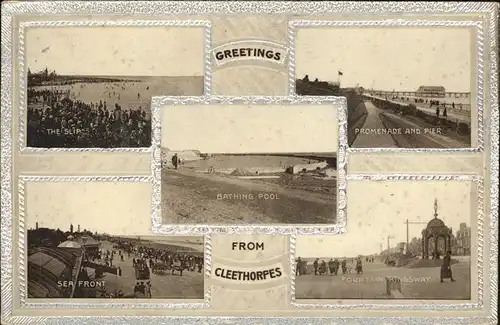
(339, 83)
(145, 237)
(122, 76)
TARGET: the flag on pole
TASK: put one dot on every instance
(340, 73)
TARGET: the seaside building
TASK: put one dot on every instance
(431, 91)
(56, 271)
(51, 269)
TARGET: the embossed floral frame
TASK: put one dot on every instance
(408, 303)
(11, 10)
(22, 284)
(336, 103)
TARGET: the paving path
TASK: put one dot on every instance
(373, 122)
(417, 283)
(406, 133)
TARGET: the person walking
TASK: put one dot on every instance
(316, 265)
(175, 161)
(298, 266)
(446, 272)
(331, 266)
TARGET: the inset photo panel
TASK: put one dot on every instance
(409, 87)
(411, 240)
(90, 86)
(249, 163)
(93, 240)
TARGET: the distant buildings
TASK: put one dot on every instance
(461, 243)
(431, 91)
(37, 78)
(47, 237)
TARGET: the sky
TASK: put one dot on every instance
(120, 208)
(250, 129)
(387, 58)
(379, 209)
(121, 51)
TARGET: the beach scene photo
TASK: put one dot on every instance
(392, 104)
(244, 165)
(93, 240)
(75, 262)
(88, 93)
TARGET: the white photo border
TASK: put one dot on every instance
(337, 227)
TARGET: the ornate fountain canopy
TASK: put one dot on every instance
(435, 223)
(436, 226)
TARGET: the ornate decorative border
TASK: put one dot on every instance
(330, 304)
(25, 302)
(402, 23)
(166, 229)
(207, 78)
(493, 131)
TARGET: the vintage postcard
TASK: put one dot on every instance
(73, 252)
(91, 87)
(422, 97)
(244, 164)
(407, 240)
(250, 163)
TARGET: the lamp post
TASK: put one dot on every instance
(84, 241)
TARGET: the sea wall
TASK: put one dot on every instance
(307, 167)
(356, 114)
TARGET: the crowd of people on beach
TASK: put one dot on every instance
(148, 256)
(153, 255)
(56, 121)
(144, 259)
(169, 258)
